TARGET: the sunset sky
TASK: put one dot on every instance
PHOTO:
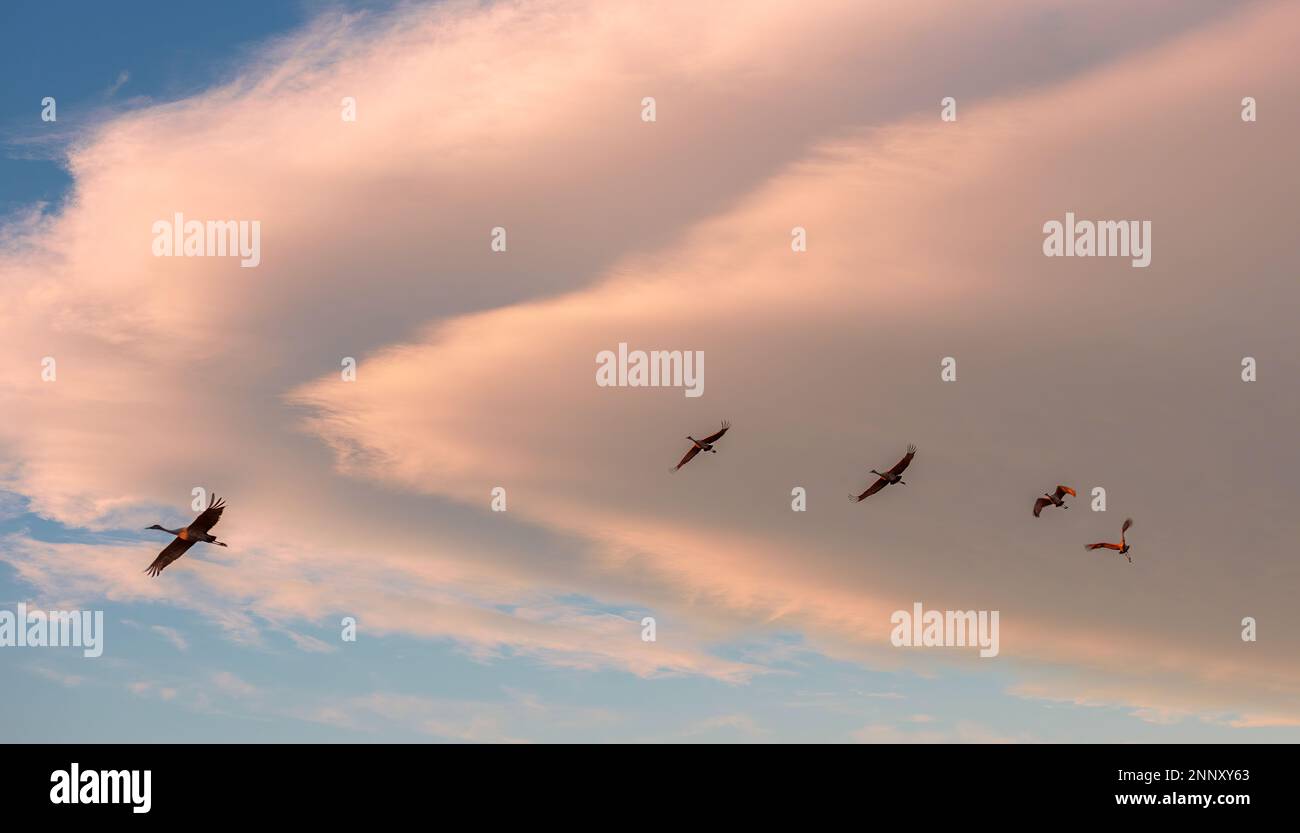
(475, 369)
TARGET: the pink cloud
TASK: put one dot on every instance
(476, 370)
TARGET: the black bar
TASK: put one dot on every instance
(329, 782)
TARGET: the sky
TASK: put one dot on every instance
(475, 370)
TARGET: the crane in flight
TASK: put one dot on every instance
(887, 478)
(188, 536)
(1054, 499)
(705, 444)
(1122, 547)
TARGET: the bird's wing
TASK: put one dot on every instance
(1062, 491)
(209, 517)
(1100, 546)
(695, 449)
(1039, 504)
(170, 553)
(902, 464)
(1128, 523)
(712, 438)
(871, 490)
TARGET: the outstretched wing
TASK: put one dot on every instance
(871, 490)
(695, 449)
(1062, 491)
(173, 551)
(1039, 504)
(903, 463)
(1102, 546)
(712, 438)
(209, 517)
(1128, 523)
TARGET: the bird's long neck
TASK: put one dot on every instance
(172, 531)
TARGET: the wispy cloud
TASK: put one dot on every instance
(60, 677)
(122, 78)
(230, 683)
(371, 498)
(171, 635)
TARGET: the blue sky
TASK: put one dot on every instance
(176, 673)
(226, 691)
(76, 52)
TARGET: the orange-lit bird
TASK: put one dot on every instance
(1122, 547)
(188, 536)
(705, 444)
(894, 475)
(1049, 499)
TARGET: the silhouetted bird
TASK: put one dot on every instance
(705, 444)
(1122, 547)
(887, 478)
(188, 536)
(1054, 499)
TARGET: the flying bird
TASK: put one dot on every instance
(705, 444)
(1049, 499)
(188, 536)
(887, 478)
(1122, 547)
